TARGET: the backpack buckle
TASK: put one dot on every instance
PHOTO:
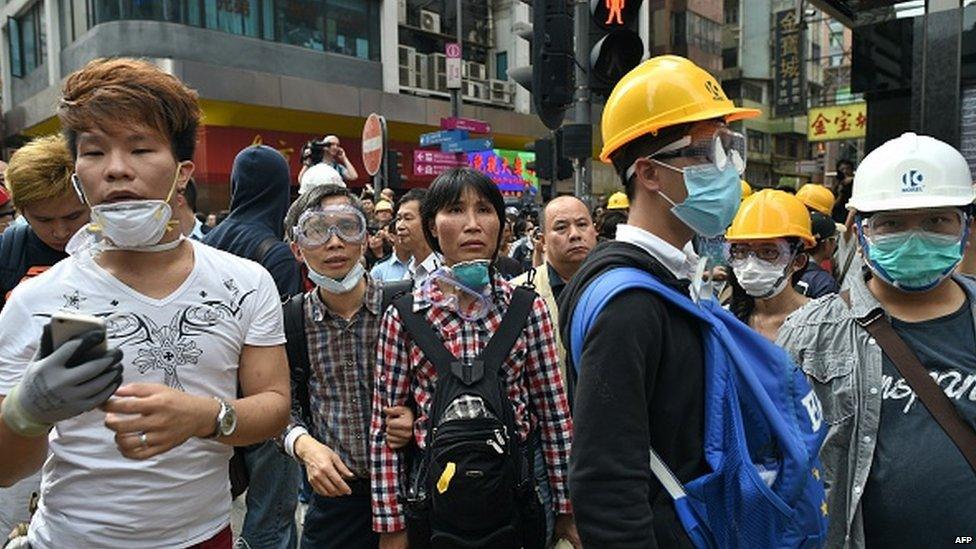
(468, 372)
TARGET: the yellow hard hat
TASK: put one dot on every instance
(816, 197)
(383, 206)
(771, 214)
(618, 201)
(663, 91)
(746, 189)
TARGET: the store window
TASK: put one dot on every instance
(730, 58)
(27, 40)
(348, 27)
(693, 30)
(234, 16)
(757, 142)
(753, 91)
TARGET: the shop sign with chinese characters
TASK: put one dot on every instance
(788, 75)
(837, 122)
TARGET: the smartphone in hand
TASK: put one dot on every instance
(65, 326)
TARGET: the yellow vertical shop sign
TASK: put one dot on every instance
(837, 122)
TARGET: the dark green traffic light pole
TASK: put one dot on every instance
(582, 175)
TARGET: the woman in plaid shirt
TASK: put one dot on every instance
(462, 217)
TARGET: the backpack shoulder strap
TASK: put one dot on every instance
(296, 347)
(393, 289)
(263, 248)
(424, 336)
(501, 343)
(13, 241)
(605, 287)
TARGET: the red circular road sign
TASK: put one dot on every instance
(374, 134)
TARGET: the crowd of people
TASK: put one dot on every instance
(691, 362)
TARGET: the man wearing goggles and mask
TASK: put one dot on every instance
(332, 388)
(897, 478)
(641, 379)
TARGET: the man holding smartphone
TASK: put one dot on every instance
(135, 440)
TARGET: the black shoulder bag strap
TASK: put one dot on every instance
(392, 290)
(263, 248)
(296, 347)
(932, 396)
(501, 343)
(474, 372)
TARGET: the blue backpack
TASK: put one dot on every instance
(763, 429)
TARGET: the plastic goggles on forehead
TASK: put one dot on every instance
(316, 227)
(947, 222)
(720, 146)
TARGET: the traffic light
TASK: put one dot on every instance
(551, 76)
(545, 159)
(617, 45)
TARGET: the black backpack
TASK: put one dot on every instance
(472, 486)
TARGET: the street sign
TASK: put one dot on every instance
(374, 136)
(421, 156)
(468, 145)
(453, 51)
(468, 124)
(436, 138)
(837, 122)
(433, 169)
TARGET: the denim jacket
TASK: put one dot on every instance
(843, 363)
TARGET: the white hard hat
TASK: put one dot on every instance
(911, 172)
(319, 174)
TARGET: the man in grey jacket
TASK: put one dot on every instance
(893, 476)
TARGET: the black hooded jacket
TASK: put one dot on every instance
(260, 195)
(641, 382)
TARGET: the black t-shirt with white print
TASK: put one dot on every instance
(921, 492)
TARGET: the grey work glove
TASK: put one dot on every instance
(62, 383)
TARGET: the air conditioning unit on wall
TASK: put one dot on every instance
(419, 66)
(501, 91)
(475, 71)
(430, 21)
(438, 63)
(407, 76)
(475, 90)
(405, 55)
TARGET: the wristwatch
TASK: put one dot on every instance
(226, 422)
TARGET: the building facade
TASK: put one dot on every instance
(277, 72)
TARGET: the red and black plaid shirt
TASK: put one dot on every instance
(535, 388)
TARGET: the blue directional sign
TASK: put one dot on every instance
(437, 138)
(468, 145)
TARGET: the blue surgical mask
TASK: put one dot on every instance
(473, 275)
(913, 261)
(713, 198)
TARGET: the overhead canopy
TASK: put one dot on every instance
(855, 13)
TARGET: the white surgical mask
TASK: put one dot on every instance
(333, 286)
(761, 279)
(135, 225)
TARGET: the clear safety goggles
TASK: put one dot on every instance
(316, 227)
(477, 307)
(948, 222)
(718, 146)
(778, 253)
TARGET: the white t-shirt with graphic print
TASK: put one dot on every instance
(192, 340)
